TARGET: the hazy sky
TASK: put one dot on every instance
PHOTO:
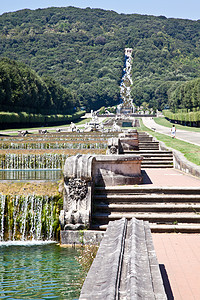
(186, 9)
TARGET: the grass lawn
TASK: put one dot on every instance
(190, 151)
(164, 122)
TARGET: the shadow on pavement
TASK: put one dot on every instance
(166, 282)
(146, 178)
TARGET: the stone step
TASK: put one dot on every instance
(161, 218)
(157, 161)
(160, 228)
(146, 198)
(148, 144)
(142, 189)
(181, 227)
(145, 138)
(148, 154)
(150, 147)
(152, 207)
(151, 166)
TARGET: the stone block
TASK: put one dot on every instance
(81, 237)
(113, 170)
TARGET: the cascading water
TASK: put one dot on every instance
(2, 208)
(125, 87)
(32, 161)
(28, 217)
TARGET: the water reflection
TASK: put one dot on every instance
(38, 272)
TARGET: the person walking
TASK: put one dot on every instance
(173, 131)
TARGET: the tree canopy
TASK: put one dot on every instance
(22, 89)
(83, 49)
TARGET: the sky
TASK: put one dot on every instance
(184, 9)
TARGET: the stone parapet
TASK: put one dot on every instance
(110, 170)
(181, 163)
(125, 266)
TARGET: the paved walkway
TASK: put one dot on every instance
(187, 136)
(179, 259)
(169, 177)
(178, 254)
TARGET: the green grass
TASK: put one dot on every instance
(190, 151)
(164, 122)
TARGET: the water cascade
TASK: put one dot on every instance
(28, 217)
(82, 144)
(12, 161)
(126, 107)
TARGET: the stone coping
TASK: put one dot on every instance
(125, 266)
(118, 158)
(180, 162)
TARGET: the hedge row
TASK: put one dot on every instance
(193, 116)
(26, 118)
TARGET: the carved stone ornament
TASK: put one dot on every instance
(113, 150)
(77, 189)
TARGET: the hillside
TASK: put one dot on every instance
(84, 50)
(22, 89)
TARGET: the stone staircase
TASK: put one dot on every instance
(146, 142)
(168, 209)
(152, 156)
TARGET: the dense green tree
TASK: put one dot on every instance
(185, 95)
(21, 89)
(83, 50)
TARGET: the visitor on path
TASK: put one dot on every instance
(173, 131)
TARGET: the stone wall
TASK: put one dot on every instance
(181, 163)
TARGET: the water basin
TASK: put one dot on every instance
(38, 270)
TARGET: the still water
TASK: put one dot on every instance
(38, 271)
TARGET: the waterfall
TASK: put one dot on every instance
(28, 217)
(125, 87)
(32, 161)
(2, 208)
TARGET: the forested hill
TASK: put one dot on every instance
(84, 50)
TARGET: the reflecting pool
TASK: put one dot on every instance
(38, 271)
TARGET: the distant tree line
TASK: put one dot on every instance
(185, 95)
(83, 50)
